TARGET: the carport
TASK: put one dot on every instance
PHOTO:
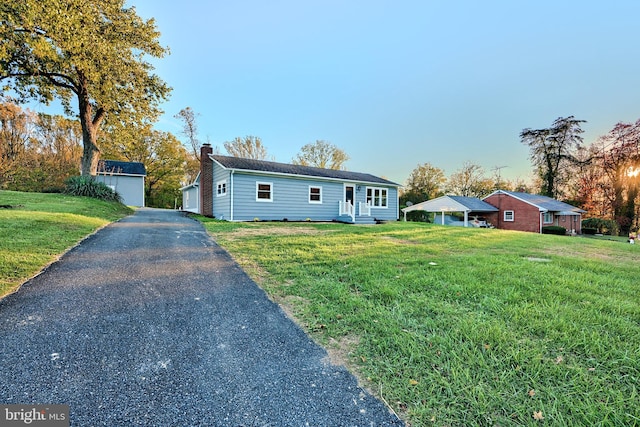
(449, 204)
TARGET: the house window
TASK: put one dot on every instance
(264, 192)
(377, 197)
(548, 218)
(315, 194)
(221, 188)
(508, 216)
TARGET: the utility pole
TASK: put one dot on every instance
(497, 169)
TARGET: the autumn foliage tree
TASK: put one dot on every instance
(470, 181)
(38, 152)
(321, 154)
(424, 183)
(620, 161)
(249, 147)
(164, 157)
(88, 51)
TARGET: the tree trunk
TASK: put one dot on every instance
(90, 126)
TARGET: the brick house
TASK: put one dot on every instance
(529, 212)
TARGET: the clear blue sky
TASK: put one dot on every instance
(398, 83)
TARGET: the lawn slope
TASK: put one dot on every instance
(37, 228)
(461, 327)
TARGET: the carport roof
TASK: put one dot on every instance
(452, 204)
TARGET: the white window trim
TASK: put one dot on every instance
(512, 216)
(316, 202)
(544, 217)
(218, 184)
(372, 205)
(270, 184)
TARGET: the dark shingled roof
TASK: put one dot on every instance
(121, 168)
(238, 163)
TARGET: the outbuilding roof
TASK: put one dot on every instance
(251, 165)
(117, 167)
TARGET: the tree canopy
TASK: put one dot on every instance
(90, 51)
(551, 151)
(425, 182)
(321, 154)
(249, 147)
(190, 129)
(470, 181)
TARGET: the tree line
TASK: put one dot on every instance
(39, 152)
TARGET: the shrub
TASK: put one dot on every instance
(554, 229)
(589, 230)
(602, 226)
(89, 187)
(417, 216)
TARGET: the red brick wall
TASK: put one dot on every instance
(206, 180)
(525, 216)
(570, 222)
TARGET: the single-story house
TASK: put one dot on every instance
(237, 189)
(530, 212)
(473, 209)
(126, 178)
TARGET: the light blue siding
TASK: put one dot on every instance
(130, 188)
(221, 202)
(290, 199)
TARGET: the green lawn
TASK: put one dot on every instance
(40, 227)
(462, 327)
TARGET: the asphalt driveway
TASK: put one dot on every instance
(149, 322)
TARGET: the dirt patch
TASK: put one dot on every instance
(339, 351)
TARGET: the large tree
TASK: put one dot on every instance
(90, 51)
(425, 182)
(552, 149)
(190, 129)
(470, 181)
(620, 160)
(321, 154)
(249, 147)
(166, 160)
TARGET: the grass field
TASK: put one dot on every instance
(40, 227)
(460, 327)
(450, 326)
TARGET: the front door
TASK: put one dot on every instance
(349, 194)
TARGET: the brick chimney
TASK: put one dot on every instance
(206, 180)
